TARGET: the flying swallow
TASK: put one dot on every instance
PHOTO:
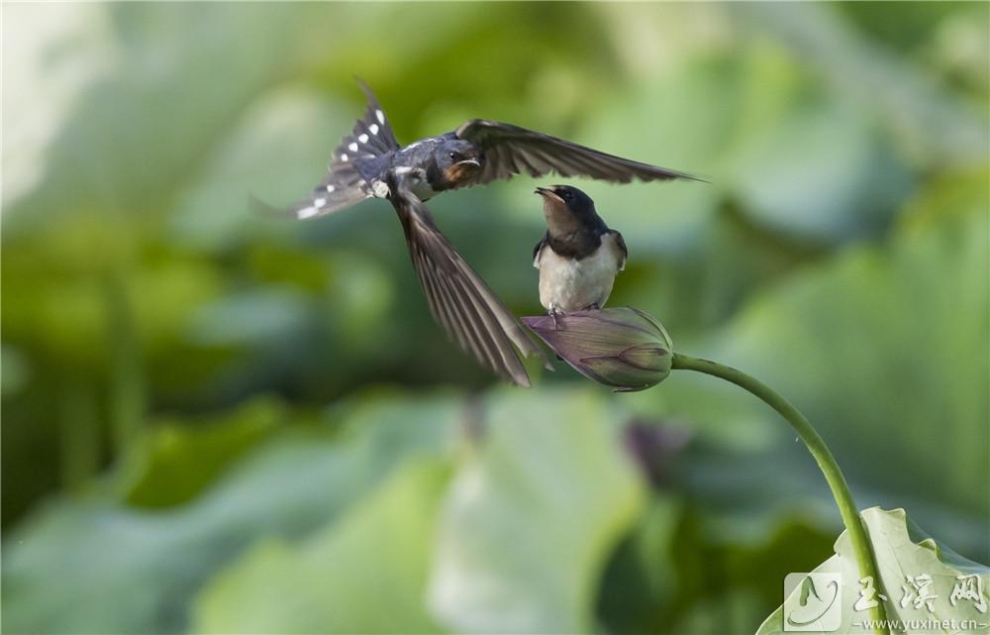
(579, 256)
(478, 152)
(370, 163)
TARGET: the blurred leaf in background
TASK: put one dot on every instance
(106, 564)
(528, 525)
(219, 421)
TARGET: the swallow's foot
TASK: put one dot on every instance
(554, 313)
(380, 189)
(592, 307)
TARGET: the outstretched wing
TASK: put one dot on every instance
(459, 299)
(344, 185)
(511, 150)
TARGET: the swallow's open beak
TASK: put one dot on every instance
(472, 162)
(559, 217)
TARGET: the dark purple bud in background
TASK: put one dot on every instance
(656, 446)
(622, 347)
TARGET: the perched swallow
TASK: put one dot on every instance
(579, 256)
(370, 163)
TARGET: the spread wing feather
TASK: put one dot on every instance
(511, 150)
(467, 309)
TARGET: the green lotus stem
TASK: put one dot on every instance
(127, 389)
(79, 434)
(862, 548)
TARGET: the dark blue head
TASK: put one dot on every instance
(567, 208)
(457, 161)
(579, 203)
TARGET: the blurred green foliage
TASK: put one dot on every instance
(216, 421)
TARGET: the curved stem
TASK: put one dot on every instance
(862, 549)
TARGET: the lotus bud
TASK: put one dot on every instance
(623, 347)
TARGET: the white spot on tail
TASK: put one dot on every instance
(373, 128)
(320, 202)
(343, 157)
(363, 138)
(308, 212)
(330, 189)
(353, 146)
(381, 117)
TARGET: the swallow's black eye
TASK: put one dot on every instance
(567, 195)
(455, 156)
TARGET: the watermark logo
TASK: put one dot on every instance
(816, 606)
(918, 592)
(969, 587)
(868, 595)
(813, 603)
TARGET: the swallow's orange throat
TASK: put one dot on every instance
(461, 172)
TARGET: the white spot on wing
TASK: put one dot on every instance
(381, 117)
(308, 212)
(363, 138)
(353, 146)
(330, 189)
(405, 169)
(320, 202)
(373, 128)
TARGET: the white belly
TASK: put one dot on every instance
(572, 285)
